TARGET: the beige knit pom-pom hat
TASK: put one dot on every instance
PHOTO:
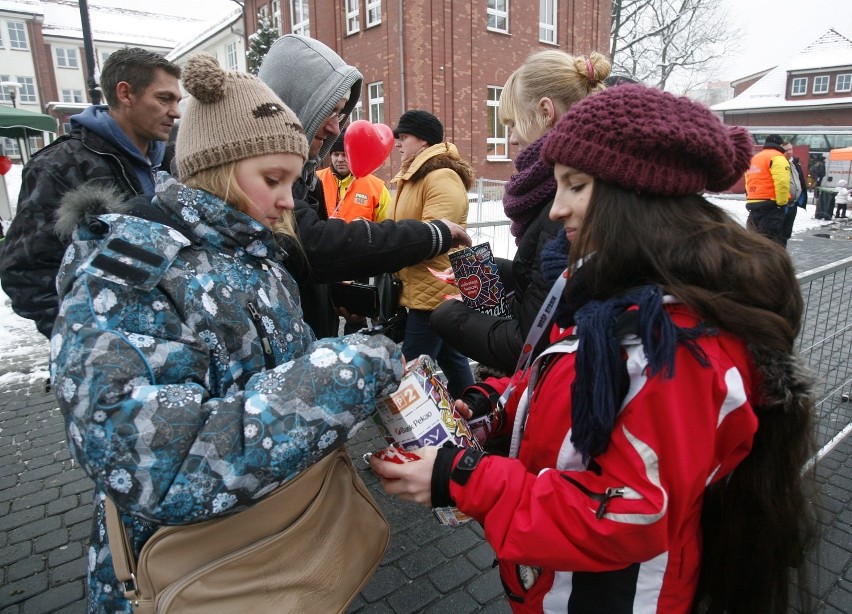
(231, 116)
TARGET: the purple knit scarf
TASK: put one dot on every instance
(529, 188)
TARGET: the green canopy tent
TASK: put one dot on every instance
(15, 123)
(19, 124)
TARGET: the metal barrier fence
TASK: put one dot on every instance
(825, 341)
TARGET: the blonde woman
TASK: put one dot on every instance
(190, 384)
(534, 97)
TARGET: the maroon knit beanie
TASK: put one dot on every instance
(649, 141)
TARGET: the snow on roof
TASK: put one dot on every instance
(831, 50)
(31, 7)
(154, 23)
(211, 30)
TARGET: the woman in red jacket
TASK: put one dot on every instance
(658, 443)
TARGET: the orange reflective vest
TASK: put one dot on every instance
(768, 178)
(353, 198)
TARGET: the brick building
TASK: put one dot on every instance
(450, 58)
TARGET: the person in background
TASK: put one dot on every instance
(322, 90)
(798, 191)
(431, 184)
(841, 200)
(659, 444)
(767, 183)
(348, 197)
(189, 382)
(351, 198)
(533, 99)
(119, 144)
(818, 171)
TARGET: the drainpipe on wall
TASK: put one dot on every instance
(401, 59)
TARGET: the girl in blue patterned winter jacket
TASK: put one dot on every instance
(190, 383)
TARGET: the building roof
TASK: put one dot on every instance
(153, 23)
(831, 50)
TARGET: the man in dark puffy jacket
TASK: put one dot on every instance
(322, 90)
(119, 144)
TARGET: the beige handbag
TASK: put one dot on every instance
(309, 546)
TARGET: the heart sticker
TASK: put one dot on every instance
(367, 146)
(470, 286)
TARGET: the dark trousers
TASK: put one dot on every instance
(767, 218)
(420, 339)
(790, 212)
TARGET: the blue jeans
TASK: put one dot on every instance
(421, 339)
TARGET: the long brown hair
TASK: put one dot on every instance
(757, 523)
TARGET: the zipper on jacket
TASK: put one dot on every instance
(602, 498)
(265, 344)
(120, 165)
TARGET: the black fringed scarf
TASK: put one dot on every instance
(600, 376)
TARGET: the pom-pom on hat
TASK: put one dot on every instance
(231, 116)
(421, 124)
(649, 141)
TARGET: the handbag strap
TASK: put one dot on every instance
(123, 560)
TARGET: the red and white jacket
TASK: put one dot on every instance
(622, 535)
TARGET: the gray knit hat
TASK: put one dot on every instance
(231, 116)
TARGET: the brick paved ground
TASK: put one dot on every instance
(45, 508)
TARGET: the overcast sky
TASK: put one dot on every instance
(774, 30)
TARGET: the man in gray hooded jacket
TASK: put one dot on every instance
(322, 90)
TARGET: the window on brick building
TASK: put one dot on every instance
(374, 12)
(300, 22)
(353, 16)
(357, 112)
(843, 83)
(66, 58)
(799, 87)
(498, 15)
(376, 100)
(72, 96)
(497, 142)
(10, 147)
(276, 15)
(547, 21)
(821, 84)
(26, 93)
(17, 35)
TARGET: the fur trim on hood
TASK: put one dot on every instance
(437, 159)
(81, 207)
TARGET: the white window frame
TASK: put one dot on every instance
(820, 85)
(71, 95)
(231, 56)
(847, 80)
(497, 15)
(376, 101)
(547, 21)
(276, 15)
(373, 9)
(10, 147)
(27, 92)
(498, 133)
(357, 112)
(300, 18)
(4, 91)
(1, 38)
(66, 57)
(17, 35)
(353, 16)
(799, 86)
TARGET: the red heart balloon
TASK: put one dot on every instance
(5, 165)
(366, 146)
